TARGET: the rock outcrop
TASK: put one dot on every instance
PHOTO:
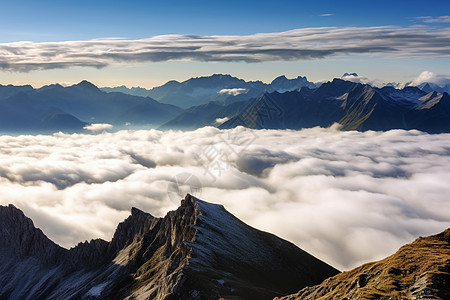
(199, 251)
(420, 270)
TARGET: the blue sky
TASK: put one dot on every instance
(68, 20)
(56, 21)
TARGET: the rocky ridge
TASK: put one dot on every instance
(199, 251)
(420, 270)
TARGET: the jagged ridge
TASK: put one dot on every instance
(199, 251)
(353, 105)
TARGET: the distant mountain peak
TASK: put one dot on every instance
(281, 77)
(349, 74)
(50, 86)
(284, 84)
(172, 82)
(86, 85)
(222, 75)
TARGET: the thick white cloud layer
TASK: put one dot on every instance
(428, 76)
(345, 197)
(298, 44)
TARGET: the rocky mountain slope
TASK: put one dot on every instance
(430, 87)
(420, 270)
(199, 251)
(355, 106)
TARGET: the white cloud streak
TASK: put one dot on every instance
(360, 79)
(294, 45)
(233, 92)
(221, 120)
(440, 19)
(345, 197)
(98, 127)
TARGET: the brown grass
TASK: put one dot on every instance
(423, 263)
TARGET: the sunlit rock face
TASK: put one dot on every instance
(199, 251)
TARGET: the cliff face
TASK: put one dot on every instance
(199, 251)
(420, 270)
(19, 236)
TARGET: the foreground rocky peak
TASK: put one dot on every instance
(19, 236)
(199, 251)
(420, 270)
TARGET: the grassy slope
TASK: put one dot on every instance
(417, 270)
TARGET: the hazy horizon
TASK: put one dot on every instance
(423, 77)
(142, 44)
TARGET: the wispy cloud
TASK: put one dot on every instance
(299, 44)
(440, 19)
(233, 92)
(98, 127)
(326, 15)
(221, 120)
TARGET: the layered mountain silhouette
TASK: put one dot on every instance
(353, 105)
(224, 101)
(199, 251)
(54, 108)
(420, 270)
(430, 87)
(223, 89)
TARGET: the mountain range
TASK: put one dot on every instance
(354, 106)
(223, 89)
(298, 103)
(201, 251)
(429, 87)
(57, 108)
(224, 101)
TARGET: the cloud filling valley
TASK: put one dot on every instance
(345, 197)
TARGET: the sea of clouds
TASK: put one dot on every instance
(345, 197)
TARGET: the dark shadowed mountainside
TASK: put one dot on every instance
(224, 101)
(56, 108)
(354, 106)
(199, 251)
